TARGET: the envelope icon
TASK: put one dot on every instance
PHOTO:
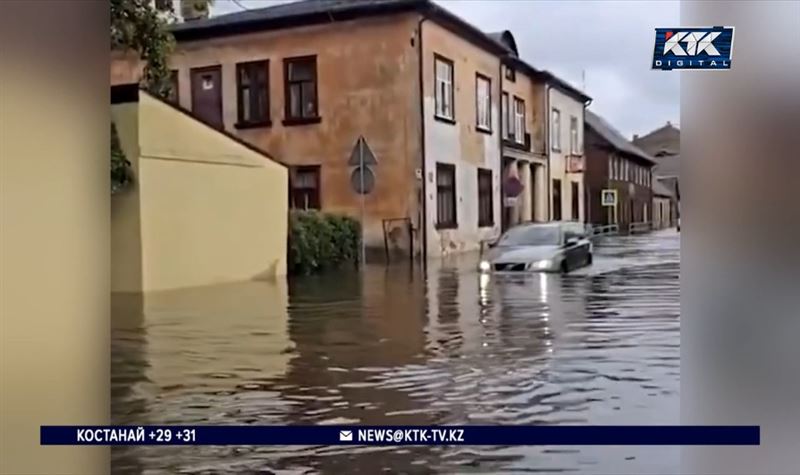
(345, 435)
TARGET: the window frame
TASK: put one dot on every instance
(506, 112)
(265, 120)
(574, 147)
(175, 87)
(295, 170)
(450, 223)
(437, 58)
(519, 135)
(288, 118)
(479, 78)
(555, 129)
(483, 175)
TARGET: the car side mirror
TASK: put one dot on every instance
(571, 242)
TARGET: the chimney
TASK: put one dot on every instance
(194, 9)
(669, 124)
(635, 137)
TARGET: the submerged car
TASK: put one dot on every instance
(543, 247)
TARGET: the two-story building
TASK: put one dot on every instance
(306, 80)
(614, 163)
(528, 151)
(566, 108)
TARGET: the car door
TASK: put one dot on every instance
(571, 251)
(579, 252)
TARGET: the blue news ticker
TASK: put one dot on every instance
(400, 435)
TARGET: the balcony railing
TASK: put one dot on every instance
(525, 146)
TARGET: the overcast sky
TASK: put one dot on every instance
(610, 41)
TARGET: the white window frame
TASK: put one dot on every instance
(573, 135)
(444, 95)
(508, 124)
(555, 130)
(519, 120)
(483, 100)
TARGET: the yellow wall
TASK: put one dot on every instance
(211, 210)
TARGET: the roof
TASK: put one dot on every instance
(547, 77)
(505, 38)
(668, 166)
(308, 12)
(659, 189)
(666, 138)
(614, 138)
(126, 93)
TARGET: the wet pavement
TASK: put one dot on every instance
(598, 346)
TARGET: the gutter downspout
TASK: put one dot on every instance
(502, 173)
(548, 118)
(586, 203)
(421, 84)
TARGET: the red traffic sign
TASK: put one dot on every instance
(513, 187)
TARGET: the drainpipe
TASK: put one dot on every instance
(424, 224)
(500, 133)
(547, 144)
(586, 208)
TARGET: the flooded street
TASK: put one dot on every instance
(599, 346)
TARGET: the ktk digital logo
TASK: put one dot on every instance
(693, 48)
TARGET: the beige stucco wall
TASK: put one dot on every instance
(367, 73)
(569, 107)
(210, 209)
(460, 143)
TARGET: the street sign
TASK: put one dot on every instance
(513, 187)
(361, 147)
(609, 197)
(362, 185)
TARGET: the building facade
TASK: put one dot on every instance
(614, 163)
(565, 154)
(423, 89)
(664, 144)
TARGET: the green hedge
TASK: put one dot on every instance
(319, 241)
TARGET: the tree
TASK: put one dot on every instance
(142, 26)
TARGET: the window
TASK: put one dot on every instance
(444, 88)
(252, 93)
(610, 167)
(511, 74)
(555, 135)
(446, 196)
(485, 198)
(624, 170)
(300, 76)
(519, 120)
(576, 199)
(556, 200)
(483, 99)
(508, 124)
(304, 187)
(174, 89)
(573, 135)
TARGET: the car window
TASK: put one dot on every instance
(531, 236)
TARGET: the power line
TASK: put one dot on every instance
(239, 4)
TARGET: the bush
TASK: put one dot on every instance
(320, 241)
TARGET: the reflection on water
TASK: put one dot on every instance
(393, 346)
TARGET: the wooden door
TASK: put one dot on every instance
(207, 94)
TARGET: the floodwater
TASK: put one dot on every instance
(599, 346)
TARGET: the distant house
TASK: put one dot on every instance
(665, 206)
(615, 163)
(664, 144)
(202, 208)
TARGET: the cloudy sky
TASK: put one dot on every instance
(610, 43)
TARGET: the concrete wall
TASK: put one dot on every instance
(568, 106)
(459, 143)
(210, 210)
(367, 73)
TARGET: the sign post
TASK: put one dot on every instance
(363, 181)
(608, 198)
